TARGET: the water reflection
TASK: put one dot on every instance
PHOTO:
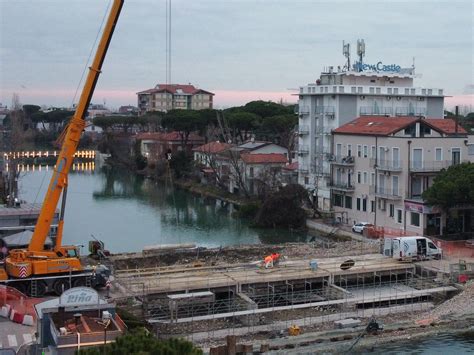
(434, 344)
(129, 212)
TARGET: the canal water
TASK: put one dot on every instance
(129, 212)
(442, 344)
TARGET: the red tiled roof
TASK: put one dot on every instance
(384, 126)
(173, 89)
(263, 158)
(170, 136)
(375, 125)
(446, 125)
(213, 147)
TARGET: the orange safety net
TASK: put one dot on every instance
(378, 232)
(455, 248)
(18, 301)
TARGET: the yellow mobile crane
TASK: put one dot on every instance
(36, 270)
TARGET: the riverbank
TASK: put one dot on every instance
(319, 248)
(212, 192)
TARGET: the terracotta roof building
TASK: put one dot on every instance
(213, 147)
(384, 126)
(165, 97)
(382, 165)
(155, 145)
(264, 158)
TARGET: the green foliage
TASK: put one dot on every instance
(249, 210)
(278, 129)
(283, 208)
(184, 120)
(141, 162)
(452, 187)
(267, 108)
(209, 116)
(59, 116)
(30, 109)
(140, 341)
(181, 164)
(126, 123)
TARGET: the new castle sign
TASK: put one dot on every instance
(379, 67)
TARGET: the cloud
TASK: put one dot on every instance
(241, 46)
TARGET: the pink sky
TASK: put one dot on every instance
(222, 98)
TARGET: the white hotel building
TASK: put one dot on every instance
(340, 96)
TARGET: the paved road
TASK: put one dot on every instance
(13, 335)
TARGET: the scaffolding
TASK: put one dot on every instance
(243, 299)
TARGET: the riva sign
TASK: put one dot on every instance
(358, 66)
(79, 296)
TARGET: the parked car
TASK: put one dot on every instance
(359, 227)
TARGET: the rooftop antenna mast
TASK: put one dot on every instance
(360, 52)
(168, 41)
(346, 51)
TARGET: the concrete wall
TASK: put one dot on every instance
(435, 107)
(347, 108)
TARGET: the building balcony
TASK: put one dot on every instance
(432, 166)
(375, 111)
(304, 110)
(320, 170)
(323, 131)
(303, 169)
(387, 165)
(410, 111)
(342, 186)
(325, 110)
(370, 90)
(343, 160)
(302, 130)
(303, 150)
(390, 194)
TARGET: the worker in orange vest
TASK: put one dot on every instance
(271, 260)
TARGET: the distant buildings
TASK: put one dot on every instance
(128, 110)
(97, 110)
(155, 146)
(254, 166)
(163, 98)
(340, 96)
(382, 165)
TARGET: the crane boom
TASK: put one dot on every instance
(71, 139)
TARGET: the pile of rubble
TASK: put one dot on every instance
(242, 254)
(460, 305)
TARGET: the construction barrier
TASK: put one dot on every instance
(377, 232)
(455, 248)
(16, 306)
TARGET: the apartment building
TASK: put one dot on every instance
(382, 165)
(165, 97)
(344, 93)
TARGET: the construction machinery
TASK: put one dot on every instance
(35, 270)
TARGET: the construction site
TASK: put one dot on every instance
(206, 295)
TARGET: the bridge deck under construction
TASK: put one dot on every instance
(186, 279)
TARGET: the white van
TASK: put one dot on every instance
(404, 248)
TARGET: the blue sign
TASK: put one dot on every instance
(394, 68)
